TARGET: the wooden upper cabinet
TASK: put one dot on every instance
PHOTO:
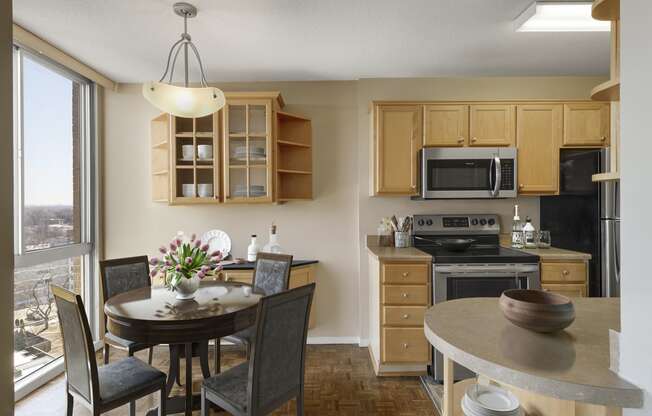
(586, 124)
(398, 140)
(492, 125)
(538, 137)
(446, 125)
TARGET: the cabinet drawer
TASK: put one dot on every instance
(403, 315)
(563, 272)
(405, 273)
(239, 276)
(570, 290)
(405, 295)
(405, 345)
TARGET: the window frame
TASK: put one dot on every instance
(88, 194)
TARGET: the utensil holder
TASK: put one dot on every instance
(401, 239)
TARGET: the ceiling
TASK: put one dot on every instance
(276, 40)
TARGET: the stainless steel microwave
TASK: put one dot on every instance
(468, 172)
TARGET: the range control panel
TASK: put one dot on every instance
(457, 224)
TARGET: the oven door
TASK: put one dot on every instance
(468, 173)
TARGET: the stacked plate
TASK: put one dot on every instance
(255, 153)
(490, 401)
(254, 190)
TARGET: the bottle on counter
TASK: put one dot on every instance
(517, 230)
(253, 249)
(273, 246)
(529, 234)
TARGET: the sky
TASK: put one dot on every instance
(47, 135)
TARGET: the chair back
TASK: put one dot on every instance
(276, 368)
(122, 275)
(78, 351)
(272, 273)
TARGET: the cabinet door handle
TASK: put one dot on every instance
(603, 138)
(474, 139)
(564, 272)
(405, 345)
(405, 274)
(405, 295)
(460, 140)
(406, 316)
(521, 186)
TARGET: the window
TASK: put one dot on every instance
(54, 206)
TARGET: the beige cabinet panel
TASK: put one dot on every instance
(568, 290)
(446, 125)
(492, 125)
(586, 124)
(405, 345)
(563, 272)
(397, 142)
(405, 273)
(404, 295)
(538, 138)
(403, 315)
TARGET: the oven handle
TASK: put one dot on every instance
(495, 187)
(485, 269)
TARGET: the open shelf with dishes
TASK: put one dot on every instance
(248, 152)
(293, 157)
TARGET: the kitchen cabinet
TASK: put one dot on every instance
(586, 124)
(248, 152)
(446, 125)
(299, 276)
(568, 278)
(397, 142)
(538, 139)
(492, 125)
(399, 297)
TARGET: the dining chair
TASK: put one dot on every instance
(275, 372)
(271, 276)
(107, 387)
(119, 276)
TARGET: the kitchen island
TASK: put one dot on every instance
(562, 374)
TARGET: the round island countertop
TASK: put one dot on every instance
(569, 365)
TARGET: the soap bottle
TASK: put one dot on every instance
(517, 230)
(529, 234)
(253, 249)
(272, 246)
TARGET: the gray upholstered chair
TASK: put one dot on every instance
(275, 372)
(105, 388)
(118, 276)
(271, 276)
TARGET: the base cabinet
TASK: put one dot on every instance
(299, 276)
(399, 297)
(565, 278)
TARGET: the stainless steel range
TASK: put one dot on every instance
(468, 261)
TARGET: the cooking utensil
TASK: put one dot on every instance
(537, 310)
(456, 244)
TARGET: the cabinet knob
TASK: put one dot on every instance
(405, 274)
(405, 295)
(521, 186)
(460, 140)
(474, 139)
(603, 138)
(564, 272)
(406, 316)
(405, 345)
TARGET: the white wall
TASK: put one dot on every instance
(636, 199)
(6, 215)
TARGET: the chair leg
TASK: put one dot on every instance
(204, 403)
(151, 355)
(132, 408)
(106, 353)
(248, 350)
(218, 358)
(70, 403)
(163, 401)
(300, 402)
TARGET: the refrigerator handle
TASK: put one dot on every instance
(616, 251)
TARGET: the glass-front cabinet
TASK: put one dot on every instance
(247, 150)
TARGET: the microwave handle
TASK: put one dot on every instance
(496, 186)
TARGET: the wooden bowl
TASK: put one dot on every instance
(537, 310)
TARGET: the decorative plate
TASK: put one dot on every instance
(217, 240)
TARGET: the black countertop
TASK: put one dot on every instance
(250, 265)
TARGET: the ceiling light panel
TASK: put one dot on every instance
(548, 16)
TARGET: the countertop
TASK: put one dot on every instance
(554, 253)
(250, 265)
(570, 365)
(393, 253)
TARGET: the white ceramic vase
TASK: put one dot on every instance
(187, 288)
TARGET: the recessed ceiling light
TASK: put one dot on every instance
(556, 16)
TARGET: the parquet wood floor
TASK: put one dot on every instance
(339, 381)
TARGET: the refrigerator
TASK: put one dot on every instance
(585, 217)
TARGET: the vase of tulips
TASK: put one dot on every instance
(184, 263)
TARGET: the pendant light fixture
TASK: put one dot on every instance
(183, 101)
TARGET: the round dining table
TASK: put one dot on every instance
(153, 315)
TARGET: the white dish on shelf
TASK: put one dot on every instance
(188, 190)
(487, 400)
(217, 240)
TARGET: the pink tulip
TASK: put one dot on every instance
(178, 268)
(216, 253)
(173, 247)
(204, 247)
(201, 275)
(188, 260)
(205, 268)
(168, 263)
(179, 242)
(197, 243)
(216, 259)
(163, 250)
(193, 236)
(153, 261)
(153, 273)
